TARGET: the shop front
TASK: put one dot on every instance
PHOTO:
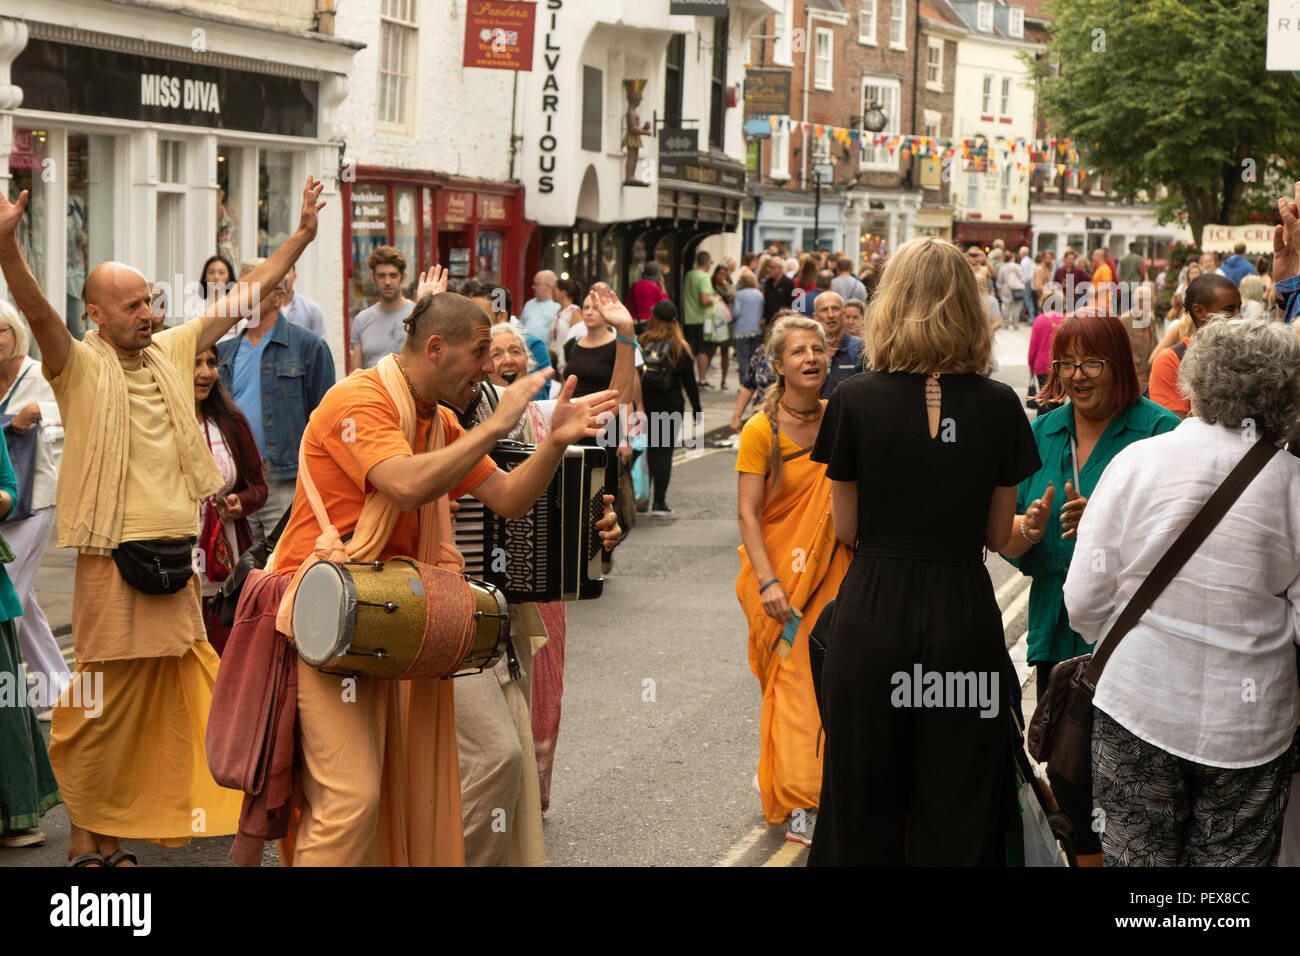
(979, 233)
(798, 221)
(1087, 226)
(472, 229)
(166, 158)
(878, 221)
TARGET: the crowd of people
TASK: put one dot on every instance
(1194, 739)
(159, 450)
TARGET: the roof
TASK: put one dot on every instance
(966, 12)
(939, 12)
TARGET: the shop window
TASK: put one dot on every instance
(718, 84)
(673, 81)
(230, 194)
(591, 123)
(397, 44)
(91, 172)
(26, 164)
(275, 192)
(488, 265)
(668, 255)
(406, 229)
(611, 263)
(369, 231)
(171, 161)
(1047, 242)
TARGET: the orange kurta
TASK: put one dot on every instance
(810, 564)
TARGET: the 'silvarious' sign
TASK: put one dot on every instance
(499, 34)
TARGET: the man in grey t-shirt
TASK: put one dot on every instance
(845, 284)
(380, 329)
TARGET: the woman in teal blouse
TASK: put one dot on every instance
(1092, 367)
(27, 785)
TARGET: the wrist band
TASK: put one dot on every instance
(767, 585)
(624, 339)
(1025, 534)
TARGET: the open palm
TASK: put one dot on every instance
(11, 213)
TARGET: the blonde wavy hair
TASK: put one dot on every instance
(927, 313)
(775, 348)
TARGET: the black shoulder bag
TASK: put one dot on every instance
(225, 601)
(1061, 729)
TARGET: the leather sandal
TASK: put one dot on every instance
(119, 856)
(88, 859)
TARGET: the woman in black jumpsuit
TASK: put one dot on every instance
(932, 450)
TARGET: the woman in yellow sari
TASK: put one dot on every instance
(790, 566)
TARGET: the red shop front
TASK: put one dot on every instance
(474, 229)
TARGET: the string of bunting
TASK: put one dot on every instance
(1020, 152)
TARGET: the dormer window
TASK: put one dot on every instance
(985, 23)
(1016, 23)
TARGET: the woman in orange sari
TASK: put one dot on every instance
(790, 566)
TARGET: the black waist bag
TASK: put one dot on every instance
(156, 567)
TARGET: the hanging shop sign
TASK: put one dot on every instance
(499, 34)
(767, 93)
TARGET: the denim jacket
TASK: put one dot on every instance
(297, 371)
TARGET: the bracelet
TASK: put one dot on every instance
(1025, 534)
(624, 339)
(767, 585)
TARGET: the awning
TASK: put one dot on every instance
(1258, 238)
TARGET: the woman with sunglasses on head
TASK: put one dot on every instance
(1104, 412)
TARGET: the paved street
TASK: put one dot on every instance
(659, 740)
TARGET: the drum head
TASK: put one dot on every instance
(324, 613)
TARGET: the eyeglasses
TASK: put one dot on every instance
(1090, 368)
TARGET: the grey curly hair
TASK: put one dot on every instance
(1242, 372)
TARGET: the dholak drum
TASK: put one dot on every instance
(397, 619)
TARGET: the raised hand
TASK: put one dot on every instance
(576, 419)
(1035, 520)
(307, 221)
(514, 400)
(433, 281)
(1286, 238)
(610, 308)
(1072, 510)
(11, 213)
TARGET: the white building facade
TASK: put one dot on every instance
(161, 146)
(995, 117)
(592, 59)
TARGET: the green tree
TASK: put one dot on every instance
(1171, 93)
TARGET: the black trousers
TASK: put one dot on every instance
(665, 432)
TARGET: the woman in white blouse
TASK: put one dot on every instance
(1195, 720)
(26, 396)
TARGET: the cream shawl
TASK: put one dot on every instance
(96, 526)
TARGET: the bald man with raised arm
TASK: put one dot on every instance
(127, 743)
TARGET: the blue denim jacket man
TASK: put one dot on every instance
(297, 371)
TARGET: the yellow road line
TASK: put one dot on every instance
(737, 852)
(787, 855)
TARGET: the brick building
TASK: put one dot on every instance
(843, 56)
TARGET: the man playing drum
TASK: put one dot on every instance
(379, 783)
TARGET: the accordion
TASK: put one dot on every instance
(553, 552)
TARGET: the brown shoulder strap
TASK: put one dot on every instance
(1251, 464)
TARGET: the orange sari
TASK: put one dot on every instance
(810, 564)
